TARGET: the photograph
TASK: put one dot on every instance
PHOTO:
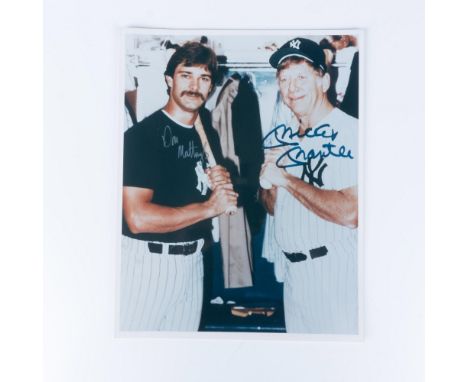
(241, 174)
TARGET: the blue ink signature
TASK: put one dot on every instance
(285, 137)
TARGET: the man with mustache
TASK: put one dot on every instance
(169, 200)
(310, 173)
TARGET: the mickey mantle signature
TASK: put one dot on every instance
(283, 136)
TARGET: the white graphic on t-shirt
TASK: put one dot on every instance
(203, 183)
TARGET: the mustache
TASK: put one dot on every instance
(192, 94)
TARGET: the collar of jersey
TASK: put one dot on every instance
(175, 121)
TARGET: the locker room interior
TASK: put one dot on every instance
(245, 59)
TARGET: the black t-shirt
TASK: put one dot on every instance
(161, 155)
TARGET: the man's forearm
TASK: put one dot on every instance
(268, 199)
(149, 217)
(337, 206)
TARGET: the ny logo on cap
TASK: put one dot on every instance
(295, 44)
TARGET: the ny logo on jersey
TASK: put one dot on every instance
(315, 175)
(202, 178)
(296, 44)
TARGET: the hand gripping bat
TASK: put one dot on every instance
(209, 155)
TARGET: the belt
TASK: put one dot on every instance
(295, 257)
(174, 249)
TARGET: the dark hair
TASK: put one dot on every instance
(297, 60)
(192, 54)
(326, 44)
(350, 40)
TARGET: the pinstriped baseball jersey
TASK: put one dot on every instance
(325, 157)
(320, 294)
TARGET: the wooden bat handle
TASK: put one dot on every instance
(209, 154)
(204, 140)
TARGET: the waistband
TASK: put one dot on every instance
(184, 249)
(295, 257)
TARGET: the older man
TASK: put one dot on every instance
(311, 173)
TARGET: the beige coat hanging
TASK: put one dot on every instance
(234, 229)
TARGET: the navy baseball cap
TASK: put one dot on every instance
(300, 47)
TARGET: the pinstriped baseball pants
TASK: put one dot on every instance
(159, 292)
(321, 294)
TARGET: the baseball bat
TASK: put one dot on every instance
(209, 154)
(264, 182)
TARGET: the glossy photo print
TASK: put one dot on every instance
(240, 198)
